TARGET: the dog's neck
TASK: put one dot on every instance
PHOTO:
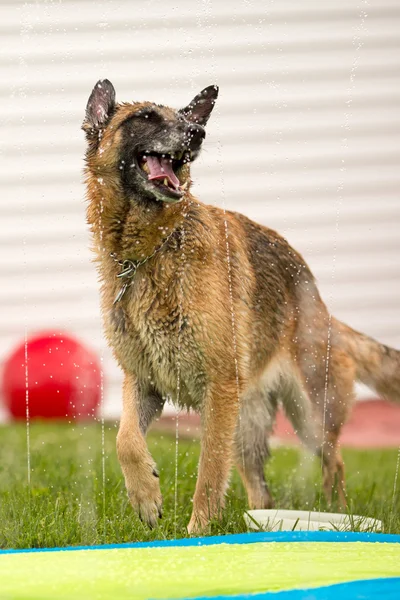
(148, 225)
(127, 228)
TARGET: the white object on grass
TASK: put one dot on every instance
(303, 520)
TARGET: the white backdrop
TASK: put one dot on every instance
(304, 138)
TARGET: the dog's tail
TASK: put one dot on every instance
(377, 366)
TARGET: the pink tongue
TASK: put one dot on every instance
(161, 168)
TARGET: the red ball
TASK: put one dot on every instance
(53, 376)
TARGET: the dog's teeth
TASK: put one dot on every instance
(178, 155)
(165, 181)
(145, 167)
(184, 185)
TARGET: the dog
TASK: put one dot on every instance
(212, 310)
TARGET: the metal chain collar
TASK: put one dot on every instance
(129, 268)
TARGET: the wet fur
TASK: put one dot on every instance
(230, 339)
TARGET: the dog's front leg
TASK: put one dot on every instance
(220, 415)
(138, 467)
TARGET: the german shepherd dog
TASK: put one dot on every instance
(212, 310)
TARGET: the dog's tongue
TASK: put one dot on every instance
(161, 169)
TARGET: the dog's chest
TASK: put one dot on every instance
(150, 333)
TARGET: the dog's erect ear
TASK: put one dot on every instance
(100, 106)
(200, 108)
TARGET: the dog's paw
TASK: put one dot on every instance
(198, 524)
(145, 495)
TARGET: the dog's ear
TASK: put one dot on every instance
(100, 107)
(200, 108)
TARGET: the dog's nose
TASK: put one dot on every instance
(196, 135)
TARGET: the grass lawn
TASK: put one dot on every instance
(66, 502)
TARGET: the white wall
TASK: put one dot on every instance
(304, 138)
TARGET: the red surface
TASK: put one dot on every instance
(61, 375)
(373, 424)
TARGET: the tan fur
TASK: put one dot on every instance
(174, 334)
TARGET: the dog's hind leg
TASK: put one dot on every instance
(257, 416)
(338, 397)
(330, 386)
(332, 468)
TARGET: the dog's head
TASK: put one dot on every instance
(147, 145)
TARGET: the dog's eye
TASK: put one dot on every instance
(150, 114)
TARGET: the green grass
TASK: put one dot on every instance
(67, 504)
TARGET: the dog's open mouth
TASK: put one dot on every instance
(162, 171)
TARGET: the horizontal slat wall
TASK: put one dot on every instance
(304, 138)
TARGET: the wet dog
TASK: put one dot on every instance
(211, 310)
